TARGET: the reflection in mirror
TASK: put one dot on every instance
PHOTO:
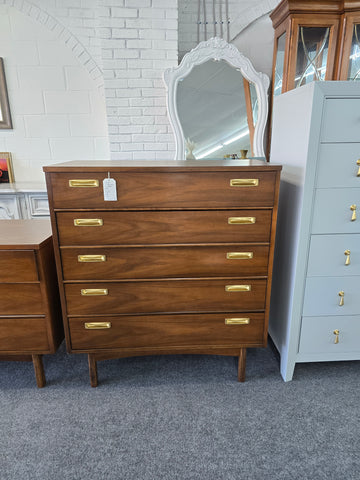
(217, 103)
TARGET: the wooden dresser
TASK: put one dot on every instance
(30, 315)
(315, 305)
(180, 262)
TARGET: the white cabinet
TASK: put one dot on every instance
(315, 301)
(23, 201)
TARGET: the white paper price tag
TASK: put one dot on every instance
(109, 186)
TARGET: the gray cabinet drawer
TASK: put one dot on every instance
(338, 166)
(317, 336)
(327, 255)
(332, 211)
(322, 296)
(341, 120)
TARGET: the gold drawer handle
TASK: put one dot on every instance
(358, 163)
(244, 182)
(237, 288)
(88, 222)
(97, 325)
(347, 260)
(241, 220)
(94, 291)
(353, 209)
(341, 295)
(237, 321)
(336, 333)
(239, 255)
(83, 183)
(91, 258)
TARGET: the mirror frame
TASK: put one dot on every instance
(216, 49)
(5, 123)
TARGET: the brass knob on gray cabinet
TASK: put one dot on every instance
(336, 333)
(347, 254)
(341, 295)
(358, 172)
(353, 209)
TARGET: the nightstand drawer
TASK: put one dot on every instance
(331, 296)
(331, 335)
(339, 165)
(137, 331)
(165, 190)
(334, 255)
(341, 120)
(18, 266)
(165, 296)
(23, 334)
(150, 262)
(21, 299)
(336, 210)
(139, 228)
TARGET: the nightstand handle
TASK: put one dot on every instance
(347, 253)
(237, 321)
(239, 255)
(88, 222)
(237, 288)
(241, 220)
(97, 325)
(83, 183)
(336, 333)
(341, 295)
(94, 291)
(358, 172)
(244, 182)
(91, 258)
(353, 209)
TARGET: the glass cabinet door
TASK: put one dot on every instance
(353, 73)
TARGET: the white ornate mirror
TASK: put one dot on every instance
(217, 103)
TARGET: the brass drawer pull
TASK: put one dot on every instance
(244, 182)
(358, 163)
(353, 209)
(83, 183)
(237, 288)
(239, 255)
(341, 295)
(237, 321)
(94, 291)
(97, 325)
(241, 220)
(347, 254)
(91, 258)
(336, 333)
(88, 222)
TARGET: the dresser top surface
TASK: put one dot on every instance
(160, 165)
(21, 234)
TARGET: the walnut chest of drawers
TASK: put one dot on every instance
(30, 315)
(180, 262)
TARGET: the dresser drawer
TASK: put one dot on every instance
(334, 255)
(155, 262)
(165, 190)
(338, 165)
(167, 331)
(23, 334)
(18, 266)
(341, 120)
(165, 296)
(322, 296)
(138, 228)
(334, 210)
(21, 299)
(317, 335)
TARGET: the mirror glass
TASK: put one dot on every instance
(211, 105)
(217, 103)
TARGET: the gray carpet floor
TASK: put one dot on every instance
(180, 418)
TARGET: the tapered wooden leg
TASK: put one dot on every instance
(93, 370)
(242, 365)
(39, 370)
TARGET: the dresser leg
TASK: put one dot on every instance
(242, 365)
(93, 370)
(39, 370)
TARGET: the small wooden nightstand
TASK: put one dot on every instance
(30, 314)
